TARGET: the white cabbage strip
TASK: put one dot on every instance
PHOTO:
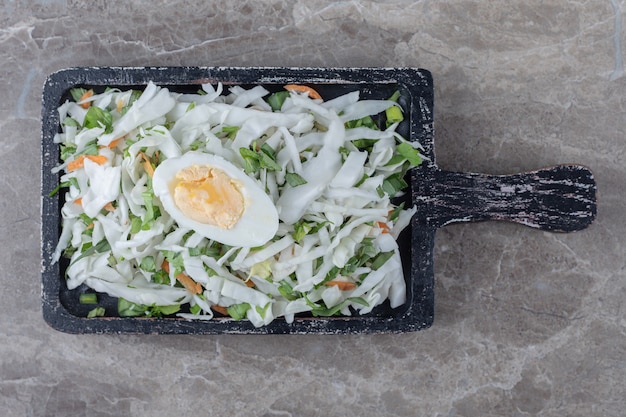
(332, 175)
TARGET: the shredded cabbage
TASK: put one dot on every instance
(334, 174)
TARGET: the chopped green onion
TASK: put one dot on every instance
(410, 153)
(85, 219)
(96, 117)
(286, 290)
(231, 131)
(161, 277)
(152, 211)
(301, 229)
(197, 144)
(366, 121)
(68, 121)
(67, 150)
(101, 247)
(96, 312)
(344, 152)
(195, 251)
(135, 225)
(238, 311)
(88, 298)
(91, 148)
(395, 213)
(395, 96)
(268, 150)
(255, 160)
(381, 259)
(395, 160)
(394, 115)
(277, 99)
(69, 183)
(321, 310)
(294, 179)
(393, 184)
(148, 264)
(207, 250)
(268, 162)
(267, 158)
(127, 308)
(250, 160)
(263, 310)
(159, 311)
(158, 131)
(364, 144)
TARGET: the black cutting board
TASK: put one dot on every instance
(561, 198)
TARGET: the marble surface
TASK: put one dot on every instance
(527, 323)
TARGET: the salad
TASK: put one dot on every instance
(241, 203)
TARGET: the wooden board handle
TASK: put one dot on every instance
(560, 199)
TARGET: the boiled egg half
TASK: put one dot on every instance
(216, 199)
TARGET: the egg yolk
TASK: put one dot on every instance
(209, 196)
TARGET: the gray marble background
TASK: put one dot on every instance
(527, 323)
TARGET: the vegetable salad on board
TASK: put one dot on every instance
(240, 203)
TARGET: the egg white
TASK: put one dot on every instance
(259, 221)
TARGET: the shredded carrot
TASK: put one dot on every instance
(80, 161)
(249, 283)
(189, 284)
(384, 227)
(79, 201)
(85, 96)
(111, 144)
(147, 165)
(342, 285)
(218, 308)
(120, 104)
(303, 89)
(114, 143)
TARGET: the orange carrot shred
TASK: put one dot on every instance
(384, 227)
(342, 285)
(147, 165)
(79, 201)
(114, 143)
(218, 308)
(79, 162)
(85, 96)
(111, 144)
(120, 105)
(303, 89)
(109, 206)
(189, 284)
